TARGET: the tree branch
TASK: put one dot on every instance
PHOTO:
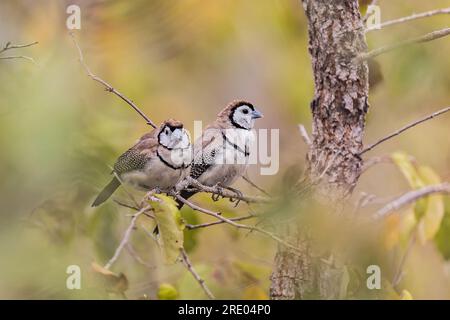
(108, 87)
(233, 223)
(9, 46)
(304, 135)
(193, 183)
(138, 258)
(412, 196)
(187, 263)
(208, 224)
(399, 131)
(254, 185)
(125, 238)
(409, 18)
(425, 38)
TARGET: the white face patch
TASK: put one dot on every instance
(242, 116)
(177, 139)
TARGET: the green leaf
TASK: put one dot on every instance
(167, 292)
(190, 236)
(442, 238)
(170, 225)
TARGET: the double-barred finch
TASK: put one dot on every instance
(221, 154)
(158, 160)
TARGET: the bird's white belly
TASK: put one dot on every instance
(155, 175)
(225, 174)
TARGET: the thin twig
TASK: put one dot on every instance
(9, 46)
(409, 18)
(138, 258)
(399, 131)
(19, 57)
(369, 13)
(304, 135)
(108, 87)
(412, 196)
(233, 223)
(187, 263)
(254, 185)
(374, 161)
(208, 224)
(125, 238)
(399, 272)
(425, 38)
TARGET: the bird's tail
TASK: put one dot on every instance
(106, 192)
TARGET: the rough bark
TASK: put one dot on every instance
(339, 107)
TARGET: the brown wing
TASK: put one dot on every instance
(137, 156)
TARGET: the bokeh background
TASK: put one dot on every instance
(60, 132)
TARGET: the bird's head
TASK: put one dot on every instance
(240, 114)
(172, 135)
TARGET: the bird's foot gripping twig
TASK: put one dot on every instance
(149, 195)
(219, 193)
(239, 194)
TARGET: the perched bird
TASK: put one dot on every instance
(158, 160)
(221, 153)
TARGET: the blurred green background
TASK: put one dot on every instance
(60, 132)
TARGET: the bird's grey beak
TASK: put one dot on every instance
(256, 114)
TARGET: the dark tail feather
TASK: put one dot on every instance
(106, 192)
(185, 195)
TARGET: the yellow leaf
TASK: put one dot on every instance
(117, 283)
(391, 232)
(167, 292)
(170, 226)
(407, 224)
(403, 162)
(434, 211)
(406, 295)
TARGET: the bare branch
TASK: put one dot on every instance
(108, 87)
(425, 38)
(304, 135)
(187, 263)
(399, 131)
(254, 185)
(9, 46)
(374, 161)
(138, 258)
(192, 183)
(208, 224)
(19, 57)
(369, 13)
(409, 18)
(126, 238)
(399, 272)
(233, 223)
(412, 196)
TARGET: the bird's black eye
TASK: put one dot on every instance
(245, 111)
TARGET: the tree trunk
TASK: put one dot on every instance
(336, 38)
